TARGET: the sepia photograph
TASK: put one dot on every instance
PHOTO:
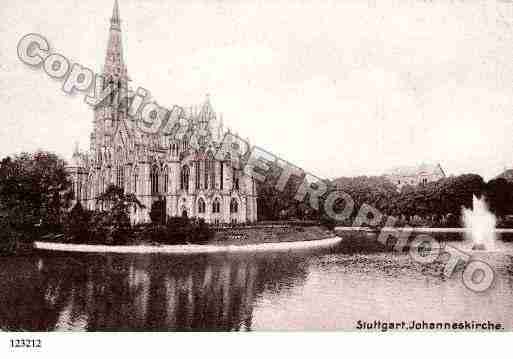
(255, 166)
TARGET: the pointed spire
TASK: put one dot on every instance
(207, 112)
(115, 21)
(114, 62)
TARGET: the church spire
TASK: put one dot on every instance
(114, 63)
(207, 112)
(115, 22)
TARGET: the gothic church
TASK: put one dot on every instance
(164, 173)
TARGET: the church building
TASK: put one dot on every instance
(164, 173)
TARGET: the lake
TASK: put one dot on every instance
(308, 290)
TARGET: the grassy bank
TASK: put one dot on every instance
(269, 234)
(186, 232)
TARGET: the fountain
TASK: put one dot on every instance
(479, 224)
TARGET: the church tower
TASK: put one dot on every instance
(109, 113)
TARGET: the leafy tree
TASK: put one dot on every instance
(158, 212)
(435, 202)
(35, 191)
(499, 195)
(185, 230)
(77, 225)
(375, 191)
(117, 218)
(275, 204)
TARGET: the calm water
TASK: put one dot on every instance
(300, 291)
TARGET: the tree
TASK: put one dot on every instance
(499, 195)
(375, 191)
(34, 191)
(433, 202)
(117, 216)
(158, 212)
(77, 225)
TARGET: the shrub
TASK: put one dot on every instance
(506, 222)
(9, 238)
(77, 225)
(202, 231)
(157, 212)
(328, 222)
(417, 221)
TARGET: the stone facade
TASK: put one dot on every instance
(182, 179)
(415, 175)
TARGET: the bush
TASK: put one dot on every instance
(506, 222)
(328, 222)
(77, 225)
(9, 238)
(202, 231)
(157, 212)
(177, 230)
(451, 221)
(185, 230)
(417, 221)
(99, 227)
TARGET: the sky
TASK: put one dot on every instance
(338, 88)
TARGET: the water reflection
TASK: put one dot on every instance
(142, 292)
(309, 291)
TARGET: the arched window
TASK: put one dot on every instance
(185, 145)
(216, 206)
(234, 206)
(120, 177)
(212, 174)
(79, 189)
(85, 189)
(235, 179)
(221, 173)
(206, 174)
(210, 171)
(184, 178)
(136, 178)
(166, 180)
(201, 206)
(102, 183)
(91, 186)
(154, 178)
(197, 174)
(96, 186)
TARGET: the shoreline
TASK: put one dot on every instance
(188, 248)
(416, 229)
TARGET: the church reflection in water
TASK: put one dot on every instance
(143, 292)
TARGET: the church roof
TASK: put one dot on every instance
(410, 171)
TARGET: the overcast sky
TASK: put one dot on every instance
(340, 88)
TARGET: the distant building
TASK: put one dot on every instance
(507, 175)
(415, 175)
